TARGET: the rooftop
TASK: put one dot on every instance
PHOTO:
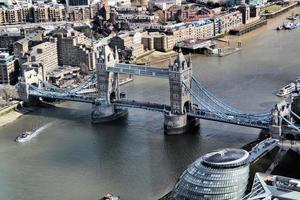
(226, 158)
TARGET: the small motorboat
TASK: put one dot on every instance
(109, 196)
(288, 26)
(26, 136)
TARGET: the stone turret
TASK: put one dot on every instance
(108, 82)
(108, 88)
(180, 72)
(180, 75)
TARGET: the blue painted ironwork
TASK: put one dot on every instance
(139, 70)
(290, 123)
(207, 107)
(222, 106)
(206, 111)
(143, 105)
(297, 116)
(35, 91)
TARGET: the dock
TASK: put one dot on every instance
(248, 27)
(196, 46)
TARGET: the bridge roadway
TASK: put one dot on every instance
(142, 105)
(236, 120)
(33, 91)
(139, 70)
(197, 113)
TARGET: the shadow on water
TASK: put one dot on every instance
(64, 113)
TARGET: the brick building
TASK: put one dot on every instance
(129, 41)
(80, 51)
(224, 22)
(24, 12)
(187, 13)
(158, 41)
(202, 29)
(8, 70)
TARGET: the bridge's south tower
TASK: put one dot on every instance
(180, 74)
(108, 88)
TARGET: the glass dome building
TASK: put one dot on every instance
(218, 175)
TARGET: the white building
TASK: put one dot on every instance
(119, 2)
(164, 4)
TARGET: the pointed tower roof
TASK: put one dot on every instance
(180, 58)
(116, 54)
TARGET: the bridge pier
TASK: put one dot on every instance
(275, 131)
(106, 112)
(178, 124)
(23, 92)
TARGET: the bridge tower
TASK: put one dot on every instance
(108, 88)
(177, 121)
(281, 110)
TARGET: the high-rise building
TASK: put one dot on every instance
(79, 52)
(7, 69)
(45, 54)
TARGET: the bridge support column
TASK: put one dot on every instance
(178, 124)
(23, 92)
(275, 131)
(106, 112)
(296, 107)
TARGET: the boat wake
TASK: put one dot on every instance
(28, 135)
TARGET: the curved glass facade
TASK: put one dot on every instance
(211, 177)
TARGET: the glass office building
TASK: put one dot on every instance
(218, 175)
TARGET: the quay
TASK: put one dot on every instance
(196, 46)
(249, 27)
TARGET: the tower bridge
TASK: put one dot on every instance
(189, 99)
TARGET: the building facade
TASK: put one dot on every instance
(203, 29)
(159, 42)
(8, 70)
(130, 42)
(24, 12)
(80, 49)
(223, 23)
(187, 13)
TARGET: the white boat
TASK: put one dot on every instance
(288, 89)
(110, 197)
(26, 136)
(288, 26)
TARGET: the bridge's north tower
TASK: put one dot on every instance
(108, 82)
(108, 88)
(180, 73)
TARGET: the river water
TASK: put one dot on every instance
(72, 159)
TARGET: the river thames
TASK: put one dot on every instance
(75, 160)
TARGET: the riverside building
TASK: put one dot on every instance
(7, 69)
(218, 175)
